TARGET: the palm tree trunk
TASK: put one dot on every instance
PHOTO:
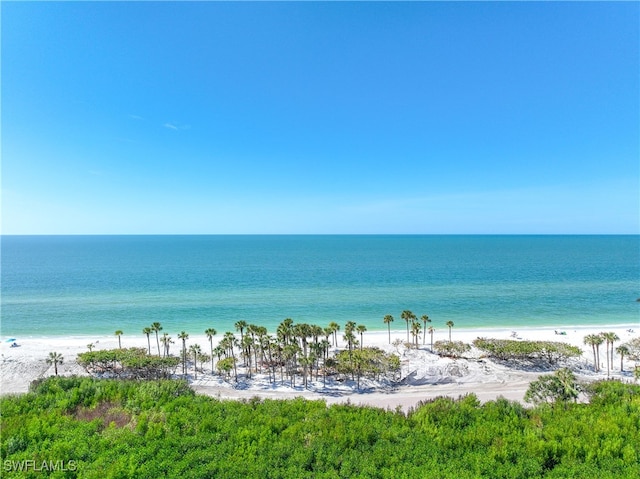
(612, 355)
(195, 365)
(255, 357)
(211, 344)
(235, 368)
(184, 357)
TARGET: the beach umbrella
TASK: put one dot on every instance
(10, 340)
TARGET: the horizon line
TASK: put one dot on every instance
(318, 234)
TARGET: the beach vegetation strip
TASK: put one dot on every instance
(551, 352)
(128, 428)
(130, 363)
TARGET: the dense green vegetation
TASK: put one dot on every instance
(549, 351)
(559, 387)
(131, 363)
(451, 349)
(134, 429)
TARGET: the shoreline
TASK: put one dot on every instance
(424, 374)
(396, 331)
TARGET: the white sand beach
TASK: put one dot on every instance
(424, 374)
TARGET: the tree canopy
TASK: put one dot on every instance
(132, 429)
(509, 349)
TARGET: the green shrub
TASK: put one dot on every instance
(162, 429)
(451, 349)
(509, 349)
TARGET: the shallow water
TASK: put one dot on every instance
(75, 285)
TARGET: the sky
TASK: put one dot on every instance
(320, 118)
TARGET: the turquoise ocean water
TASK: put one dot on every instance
(88, 285)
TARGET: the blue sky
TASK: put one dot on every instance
(295, 117)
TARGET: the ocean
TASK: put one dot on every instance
(93, 285)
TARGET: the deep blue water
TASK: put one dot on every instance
(76, 285)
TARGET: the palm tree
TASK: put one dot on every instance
(325, 348)
(228, 342)
(327, 333)
(450, 325)
(274, 349)
(147, 331)
(285, 330)
(335, 327)
(408, 316)
(613, 338)
(245, 348)
(317, 352)
(210, 332)
(592, 340)
(196, 351)
(119, 333)
(262, 344)
(415, 332)
(431, 330)
(203, 357)
(316, 332)
(303, 331)
(253, 330)
(219, 351)
(166, 342)
(598, 341)
(569, 386)
(388, 319)
(349, 337)
(290, 355)
(55, 359)
(240, 325)
(610, 338)
(157, 328)
(90, 346)
(425, 319)
(622, 350)
(307, 365)
(361, 329)
(184, 336)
